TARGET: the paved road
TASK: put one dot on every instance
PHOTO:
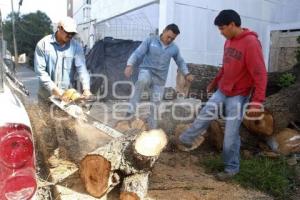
(28, 77)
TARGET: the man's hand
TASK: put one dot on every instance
(254, 111)
(189, 77)
(211, 87)
(128, 71)
(57, 92)
(86, 94)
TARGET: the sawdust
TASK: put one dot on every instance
(176, 176)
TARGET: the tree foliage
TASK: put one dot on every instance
(30, 28)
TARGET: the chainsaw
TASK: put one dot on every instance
(79, 109)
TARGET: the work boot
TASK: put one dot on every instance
(225, 176)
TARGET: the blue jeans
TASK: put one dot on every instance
(145, 81)
(234, 114)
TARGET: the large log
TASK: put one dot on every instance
(178, 111)
(263, 125)
(284, 106)
(125, 156)
(285, 142)
(135, 187)
(273, 79)
(216, 133)
(127, 125)
(182, 86)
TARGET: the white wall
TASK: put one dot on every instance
(77, 10)
(85, 26)
(200, 41)
(106, 9)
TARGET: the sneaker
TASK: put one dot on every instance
(183, 146)
(225, 176)
(186, 145)
(189, 147)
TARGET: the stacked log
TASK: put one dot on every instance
(263, 125)
(216, 133)
(182, 86)
(126, 125)
(285, 142)
(285, 106)
(130, 157)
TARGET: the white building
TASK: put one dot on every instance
(199, 41)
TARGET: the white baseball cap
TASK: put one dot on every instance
(68, 24)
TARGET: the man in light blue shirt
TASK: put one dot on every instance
(57, 58)
(156, 53)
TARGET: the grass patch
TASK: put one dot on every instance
(274, 177)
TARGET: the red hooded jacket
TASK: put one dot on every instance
(243, 69)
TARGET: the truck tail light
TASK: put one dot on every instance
(17, 166)
(21, 185)
(16, 147)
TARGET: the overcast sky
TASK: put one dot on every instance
(55, 9)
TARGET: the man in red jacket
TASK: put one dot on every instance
(242, 77)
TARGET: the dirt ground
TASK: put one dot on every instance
(179, 176)
(176, 176)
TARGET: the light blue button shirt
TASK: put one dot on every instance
(56, 65)
(156, 58)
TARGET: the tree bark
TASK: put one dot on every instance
(284, 106)
(127, 125)
(126, 156)
(216, 133)
(273, 79)
(135, 187)
(285, 142)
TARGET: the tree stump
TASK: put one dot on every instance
(131, 156)
(284, 106)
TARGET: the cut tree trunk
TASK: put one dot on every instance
(264, 125)
(179, 111)
(128, 156)
(182, 86)
(135, 187)
(216, 133)
(284, 106)
(127, 125)
(285, 142)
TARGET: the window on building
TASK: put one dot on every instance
(86, 13)
(87, 2)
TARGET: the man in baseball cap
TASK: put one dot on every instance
(66, 30)
(57, 58)
(68, 24)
